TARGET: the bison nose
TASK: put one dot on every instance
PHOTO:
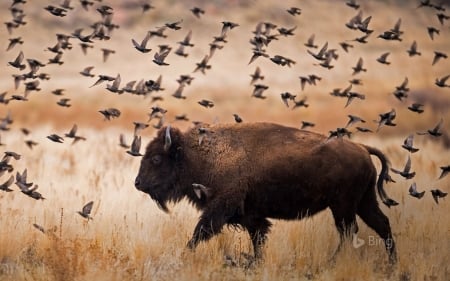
(137, 183)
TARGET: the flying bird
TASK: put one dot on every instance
(408, 144)
(412, 51)
(5, 186)
(142, 47)
(110, 113)
(437, 194)
(359, 67)
(383, 58)
(445, 171)
(55, 138)
(86, 211)
(413, 191)
(438, 56)
(206, 103)
(436, 131)
(135, 146)
(406, 170)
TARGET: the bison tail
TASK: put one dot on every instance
(383, 174)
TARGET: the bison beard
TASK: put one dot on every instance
(258, 171)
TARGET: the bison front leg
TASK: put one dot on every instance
(257, 229)
(215, 216)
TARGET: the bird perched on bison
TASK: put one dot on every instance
(256, 171)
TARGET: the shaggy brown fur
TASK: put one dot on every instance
(261, 170)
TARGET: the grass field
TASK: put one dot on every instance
(129, 238)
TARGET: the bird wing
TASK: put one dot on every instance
(73, 131)
(438, 126)
(413, 188)
(407, 165)
(87, 208)
(409, 141)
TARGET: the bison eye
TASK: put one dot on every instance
(156, 159)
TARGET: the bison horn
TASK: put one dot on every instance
(167, 139)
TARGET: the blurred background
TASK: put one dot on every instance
(227, 83)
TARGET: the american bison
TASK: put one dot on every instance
(251, 172)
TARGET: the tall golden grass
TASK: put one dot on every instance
(129, 238)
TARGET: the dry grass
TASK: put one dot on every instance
(129, 238)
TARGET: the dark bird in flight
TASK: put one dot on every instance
(55, 138)
(110, 113)
(359, 67)
(206, 103)
(237, 118)
(437, 194)
(408, 144)
(383, 58)
(142, 47)
(413, 191)
(440, 82)
(294, 11)
(432, 31)
(86, 211)
(436, 131)
(438, 56)
(256, 76)
(406, 170)
(17, 63)
(135, 146)
(197, 11)
(87, 71)
(416, 107)
(412, 51)
(445, 171)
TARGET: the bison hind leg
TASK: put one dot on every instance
(371, 214)
(345, 221)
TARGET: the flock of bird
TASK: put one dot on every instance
(265, 32)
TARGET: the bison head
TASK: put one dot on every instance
(159, 166)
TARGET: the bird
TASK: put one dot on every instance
(306, 124)
(106, 53)
(339, 133)
(84, 47)
(139, 126)
(280, 60)
(64, 102)
(228, 25)
(436, 131)
(441, 17)
(179, 92)
(352, 4)
(5, 186)
(359, 67)
(310, 42)
(257, 54)
(437, 194)
(58, 92)
(206, 103)
(445, 171)
(142, 47)
(72, 134)
(300, 103)
(256, 76)
(159, 57)
(383, 58)
(31, 192)
(180, 51)
(122, 142)
(287, 31)
(17, 63)
(55, 138)
(155, 111)
(406, 170)
(30, 143)
(352, 95)
(364, 130)
(187, 40)
(102, 78)
(237, 118)
(114, 87)
(286, 96)
(431, 31)
(353, 119)
(416, 107)
(440, 82)
(412, 51)
(408, 144)
(258, 91)
(438, 56)
(87, 71)
(39, 227)
(86, 211)
(174, 25)
(386, 119)
(321, 55)
(345, 46)
(303, 81)
(135, 146)
(197, 11)
(110, 113)
(413, 191)
(13, 42)
(203, 65)
(202, 192)
(294, 11)
(59, 12)
(11, 154)
(362, 39)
